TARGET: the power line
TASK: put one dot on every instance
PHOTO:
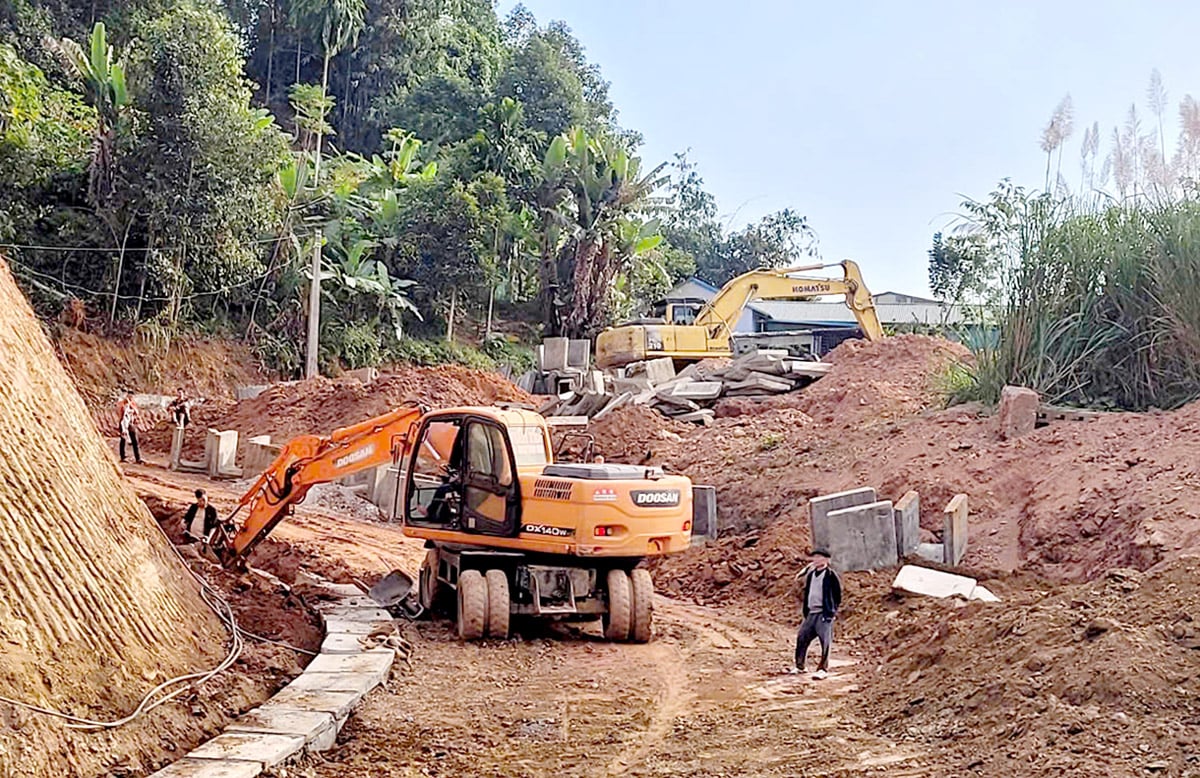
(141, 249)
(26, 269)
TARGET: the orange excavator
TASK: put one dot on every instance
(508, 532)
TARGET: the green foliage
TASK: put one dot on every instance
(440, 352)
(1096, 304)
(42, 130)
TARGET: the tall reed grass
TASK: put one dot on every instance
(1097, 304)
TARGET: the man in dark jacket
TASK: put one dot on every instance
(200, 519)
(822, 597)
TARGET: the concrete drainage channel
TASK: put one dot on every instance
(307, 714)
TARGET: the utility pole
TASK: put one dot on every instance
(314, 311)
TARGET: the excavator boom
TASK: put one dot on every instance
(709, 335)
(312, 459)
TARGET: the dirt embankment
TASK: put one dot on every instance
(1095, 679)
(320, 405)
(103, 366)
(1068, 501)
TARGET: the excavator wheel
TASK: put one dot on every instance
(498, 604)
(472, 604)
(617, 620)
(642, 605)
(430, 586)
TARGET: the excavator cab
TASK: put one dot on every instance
(463, 476)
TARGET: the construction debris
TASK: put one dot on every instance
(688, 395)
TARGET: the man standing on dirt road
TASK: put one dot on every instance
(822, 597)
(127, 410)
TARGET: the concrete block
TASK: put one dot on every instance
(527, 381)
(983, 595)
(934, 552)
(336, 704)
(620, 400)
(342, 643)
(863, 537)
(249, 392)
(704, 514)
(376, 663)
(559, 422)
(176, 448)
(364, 374)
(632, 385)
(954, 529)
(593, 382)
(819, 509)
(209, 768)
(359, 683)
(934, 583)
(316, 727)
(366, 615)
(698, 390)
(1018, 411)
(759, 383)
(704, 417)
(908, 523)
(260, 454)
(579, 353)
(267, 750)
(554, 352)
(800, 368)
(659, 371)
(220, 452)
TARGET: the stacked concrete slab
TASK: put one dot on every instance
(691, 394)
(307, 714)
(858, 530)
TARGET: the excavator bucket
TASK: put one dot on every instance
(391, 589)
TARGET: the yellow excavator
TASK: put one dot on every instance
(686, 334)
(508, 532)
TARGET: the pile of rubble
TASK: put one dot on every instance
(688, 395)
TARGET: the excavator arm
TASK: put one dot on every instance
(721, 313)
(313, 459)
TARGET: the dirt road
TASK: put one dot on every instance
(705, 698)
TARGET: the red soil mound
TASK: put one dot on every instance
(321, 405)
(1098, 679)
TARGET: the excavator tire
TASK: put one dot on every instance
(642, 605)
(620, 612)
(498, 604)
(472, 604)
(430, 586)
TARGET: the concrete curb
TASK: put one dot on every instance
(306, 715)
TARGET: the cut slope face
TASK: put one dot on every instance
(95, 609)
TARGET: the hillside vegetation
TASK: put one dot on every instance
(173, 165)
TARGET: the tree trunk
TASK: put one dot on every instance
(270, 55)
(298, 43)
(450, 318)
(95, 607)
(320, 134)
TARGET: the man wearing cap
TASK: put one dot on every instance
(822, 597)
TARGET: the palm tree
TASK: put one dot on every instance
(339, 22)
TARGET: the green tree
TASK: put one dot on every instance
(200, 168)
(339, 23)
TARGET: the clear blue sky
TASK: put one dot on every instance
(872, 118)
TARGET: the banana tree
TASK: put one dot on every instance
(104, 85)
(608, 193)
